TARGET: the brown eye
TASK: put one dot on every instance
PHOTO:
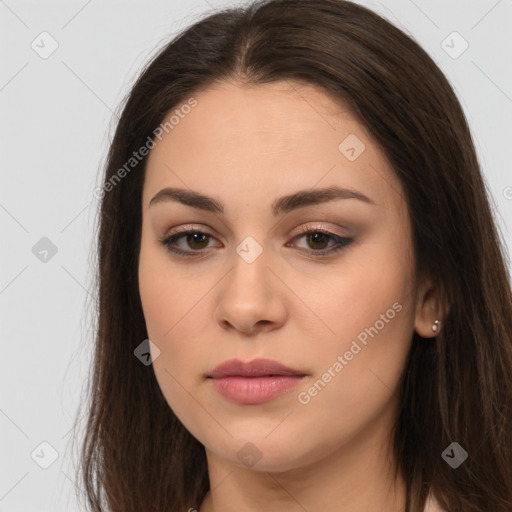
(195, 241)
(196, 238)
(318, 239)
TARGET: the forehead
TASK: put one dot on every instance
(275, 117)
(279, 137)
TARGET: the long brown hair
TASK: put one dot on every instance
(136, 455)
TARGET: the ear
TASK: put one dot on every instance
(429, 308)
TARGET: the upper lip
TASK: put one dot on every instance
(254, 368)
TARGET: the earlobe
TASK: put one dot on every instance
(429, 313)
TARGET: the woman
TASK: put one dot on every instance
(296, 233)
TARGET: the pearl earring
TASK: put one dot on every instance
(435, 326)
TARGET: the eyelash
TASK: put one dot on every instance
(342, 242)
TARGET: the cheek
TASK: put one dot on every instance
(370, 290)
(171, 310)
(372, 317)
(176, 315)
(163, 293)
(165, 313)
(356, 378)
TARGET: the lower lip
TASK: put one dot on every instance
(254, 390)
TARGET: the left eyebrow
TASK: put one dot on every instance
(285, 204)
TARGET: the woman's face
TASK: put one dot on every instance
(253, 285)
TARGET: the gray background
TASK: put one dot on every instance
(57, 115)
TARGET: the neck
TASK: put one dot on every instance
(357, 477)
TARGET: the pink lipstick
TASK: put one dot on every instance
(253, 382)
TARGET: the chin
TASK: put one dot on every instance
(266, 453)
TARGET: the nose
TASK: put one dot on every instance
(252, 297)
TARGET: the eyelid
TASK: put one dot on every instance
(206, 230)
(321, 228)
(187, 228)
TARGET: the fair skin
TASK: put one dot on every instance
(246, 146)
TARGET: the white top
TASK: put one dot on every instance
(432, 505)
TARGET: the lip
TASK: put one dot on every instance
(253, 382)
(254, 368)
